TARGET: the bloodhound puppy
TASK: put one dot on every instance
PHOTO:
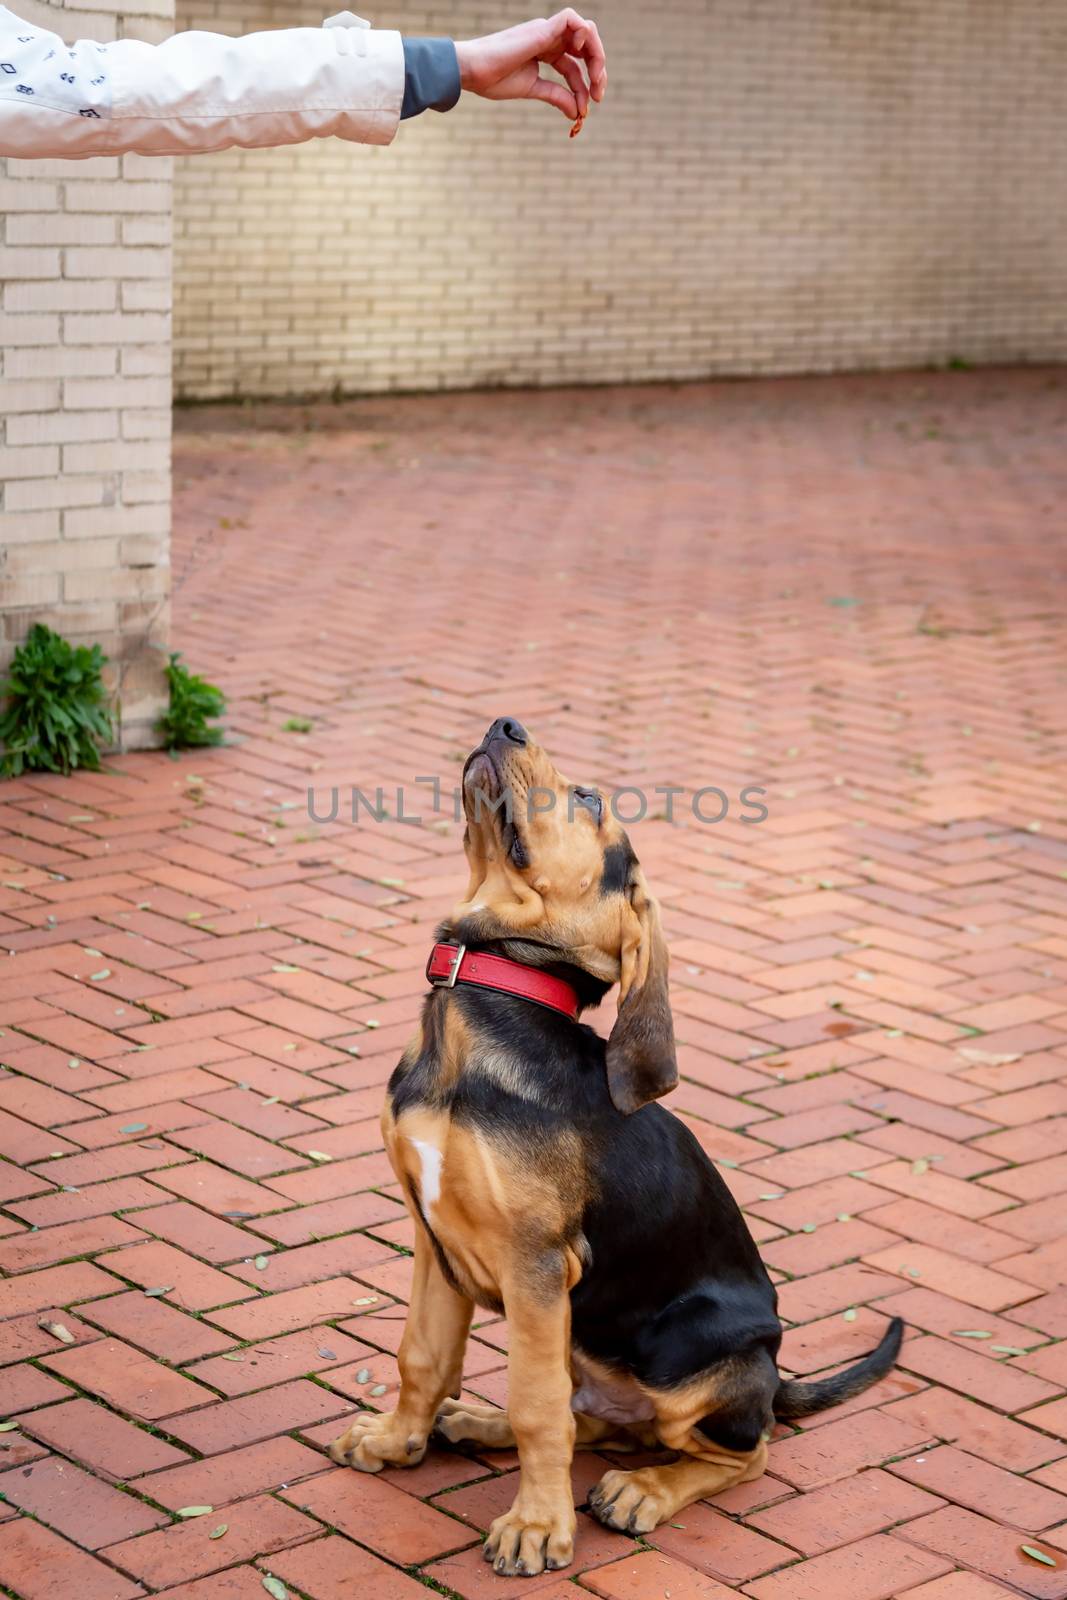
(545, 1184)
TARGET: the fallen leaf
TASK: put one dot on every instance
(317, 1155)
(327, 1355)
(850, 1314)
(971, 1333)
(1037, 1555)
(8, 1427)
(232, 1355)
(276, 1588)
(163, 1288)
(379, 1388)
(366, 1300)
(363, 1375)
(134, 1127)
(1008, 1349)
(58, 1331)
(217, 1533)
(987, 1058)
(920, 1166)
(260, 1263)
(98, 977)
(194, 1511)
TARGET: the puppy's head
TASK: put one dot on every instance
(550, 865)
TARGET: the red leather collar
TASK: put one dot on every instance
(450, 964)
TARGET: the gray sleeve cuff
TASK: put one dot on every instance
(431, 76)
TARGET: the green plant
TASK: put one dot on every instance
(56, 715)
(184, 724)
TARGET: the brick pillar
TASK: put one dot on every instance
(85, 269)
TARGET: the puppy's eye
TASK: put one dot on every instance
(591, 801)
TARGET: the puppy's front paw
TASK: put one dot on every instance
(372, 1441)
(525, 1542)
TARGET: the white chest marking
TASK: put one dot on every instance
(430, 1186)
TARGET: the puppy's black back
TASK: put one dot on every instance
(675, 1282)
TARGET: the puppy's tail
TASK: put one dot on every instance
(803, 1399)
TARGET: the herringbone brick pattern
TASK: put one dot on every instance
(848, 593)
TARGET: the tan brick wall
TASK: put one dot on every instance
(85, 280)
(771, 187)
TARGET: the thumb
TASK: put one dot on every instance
(554, 94)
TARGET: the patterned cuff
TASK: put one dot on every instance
(431, 76)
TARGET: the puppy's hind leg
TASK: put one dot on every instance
(637, 1502)
(464, 1422)
(718, 1423)
(461, 1422)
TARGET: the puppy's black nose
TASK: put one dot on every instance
(508, 728)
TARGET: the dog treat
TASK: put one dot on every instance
(577, 125)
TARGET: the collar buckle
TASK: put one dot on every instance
(447, 980)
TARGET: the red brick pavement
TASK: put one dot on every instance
(848, 592)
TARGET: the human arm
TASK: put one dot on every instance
(196, 91)
(200, 92)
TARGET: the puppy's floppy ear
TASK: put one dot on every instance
(640, 1056)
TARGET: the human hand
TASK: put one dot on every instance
(507, 65)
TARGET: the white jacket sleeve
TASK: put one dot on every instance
(196, 91)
